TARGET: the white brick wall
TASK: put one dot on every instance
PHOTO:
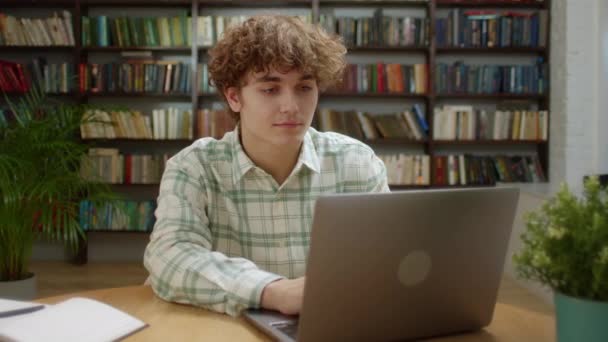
(579, 100)
(601, 141)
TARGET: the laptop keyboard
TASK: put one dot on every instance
(289, 328)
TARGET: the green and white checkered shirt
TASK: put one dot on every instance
(225, 228)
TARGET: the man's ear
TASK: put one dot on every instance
(234, 99)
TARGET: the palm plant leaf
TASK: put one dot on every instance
(40, 181)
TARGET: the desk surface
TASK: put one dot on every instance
(175, 322)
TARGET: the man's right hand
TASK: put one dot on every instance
(284, 295)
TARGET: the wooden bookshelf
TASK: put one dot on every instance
(375, 3)
(118, 231)
(398, 187)
(139, 94)
(173, 49)
(373, 95)
(531, 97)
(29, 49)
(394, 142)
(394, 187)
(493, 3)
(254, 4)
(135, 3)
(38, 3)
(486, 142)
(430, 53)
(493, 50)
(417, 49)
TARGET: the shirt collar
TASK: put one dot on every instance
(241, 163)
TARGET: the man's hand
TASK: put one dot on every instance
(284, 295)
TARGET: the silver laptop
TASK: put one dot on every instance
(401, 265)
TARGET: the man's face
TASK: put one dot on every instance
(275, 108)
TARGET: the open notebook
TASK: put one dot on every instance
(76, 319)
(10, 307)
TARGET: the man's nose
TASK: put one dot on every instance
(289, 102)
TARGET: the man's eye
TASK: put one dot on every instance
(306, 88)
(269, 90)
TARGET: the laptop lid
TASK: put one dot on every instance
(405, 265)
(401, 265)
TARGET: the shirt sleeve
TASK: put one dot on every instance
(183, 267)
(377, 180)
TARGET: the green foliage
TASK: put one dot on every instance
(565, 245)
(40, 182)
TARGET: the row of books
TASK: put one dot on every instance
(385, 78)
(379, 30)
(484, 170)
(460, 78)
(405, 169)
(108, 165)
(117, 215)
(175, 77)
(214, 123)
(138, 76)
(13, 77)
(483, 28)
(466, 123)
(202, 79)
(174, 31)
(409, 124)
(165, 123)
(54, 78)
(211, 28)
(56, 30)
(137, 31)
(412, 169)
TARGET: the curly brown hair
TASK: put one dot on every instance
(279, 42)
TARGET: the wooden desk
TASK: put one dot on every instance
(174, 322)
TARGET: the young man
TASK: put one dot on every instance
(234, 215)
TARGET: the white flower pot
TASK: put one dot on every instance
(24, 289)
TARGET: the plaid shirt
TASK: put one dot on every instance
(225, 228)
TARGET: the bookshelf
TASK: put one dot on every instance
(431, 54)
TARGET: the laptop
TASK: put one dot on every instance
(400, 266)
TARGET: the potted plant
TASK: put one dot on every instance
(565, 247)
(40, 184)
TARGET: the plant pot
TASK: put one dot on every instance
(580, 319)
(24, 289)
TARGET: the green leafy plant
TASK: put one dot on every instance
(40, 182)
(565, 245)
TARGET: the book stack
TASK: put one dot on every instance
(486, 170)
(409, 124)
(52, 78)
(378, 30)
(136, 76)
(202, 79)
(210, 28)
(117, 215)
(137, 31)
(53, 31)
(385, 78)
(12, 77)
(214, 123)
(466, 123)
(404, 169)
(162, 124)
(460, 78)
(491, 29)
(108, 165)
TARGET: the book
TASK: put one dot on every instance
(63, 322)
